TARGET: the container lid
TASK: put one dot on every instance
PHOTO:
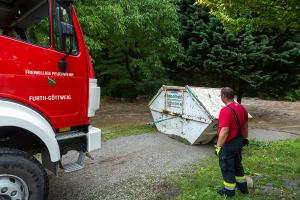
(209, 98)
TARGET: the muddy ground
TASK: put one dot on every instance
(272, 115)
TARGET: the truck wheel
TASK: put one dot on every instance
(22, 177)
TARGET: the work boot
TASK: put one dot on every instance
(242, 187)
(227, 193)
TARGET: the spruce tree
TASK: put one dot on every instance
(261, 63)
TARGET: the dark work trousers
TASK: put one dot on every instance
(230, 160)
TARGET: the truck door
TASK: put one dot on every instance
(44, 67)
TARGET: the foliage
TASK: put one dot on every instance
(130, 41)
(271, 163)
(39, 33)
(256, 15)
(294, 95)
(246, 61)
(137, 46)
(125, 130)
(284, 67)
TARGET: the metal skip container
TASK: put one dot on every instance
(187, 113)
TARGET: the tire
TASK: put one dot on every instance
(19, 169)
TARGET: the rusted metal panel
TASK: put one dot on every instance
(189, 113)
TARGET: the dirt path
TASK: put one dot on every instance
(273, 115)
(157, 154)
(114, 112)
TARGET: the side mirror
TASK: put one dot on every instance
(65, 30)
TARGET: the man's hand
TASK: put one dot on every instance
(218, 150)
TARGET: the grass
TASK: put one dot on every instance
(125, 130)
(269, 163)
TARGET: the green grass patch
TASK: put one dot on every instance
(125, 130)
(269, 163)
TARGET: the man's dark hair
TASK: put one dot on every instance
(227, 92)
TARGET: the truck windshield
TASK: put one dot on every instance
(26, 20)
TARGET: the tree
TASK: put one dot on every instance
(249, 62)
(130, 42)
(249, 15)
(284, 67)
(242, 58)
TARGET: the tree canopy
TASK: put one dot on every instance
(130, 42)
(255, 15)
(136, 46)
(246, 61)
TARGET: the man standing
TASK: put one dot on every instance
(232, 134)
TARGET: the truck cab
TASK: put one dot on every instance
(48, 93)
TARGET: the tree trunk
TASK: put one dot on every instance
(239, 91)
(239, 96)
(128, 67)
(126, 53)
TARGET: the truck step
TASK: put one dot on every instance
(69, 135)
(78, 165)
(72, 140)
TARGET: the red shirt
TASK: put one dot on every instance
(226, 119)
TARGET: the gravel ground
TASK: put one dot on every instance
(123, 158)
(271, 135)
(134, 157)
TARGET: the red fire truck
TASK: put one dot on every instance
(48, 92)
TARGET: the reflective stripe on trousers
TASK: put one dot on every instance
(229, 186)
(240, 179)
(230, 161)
